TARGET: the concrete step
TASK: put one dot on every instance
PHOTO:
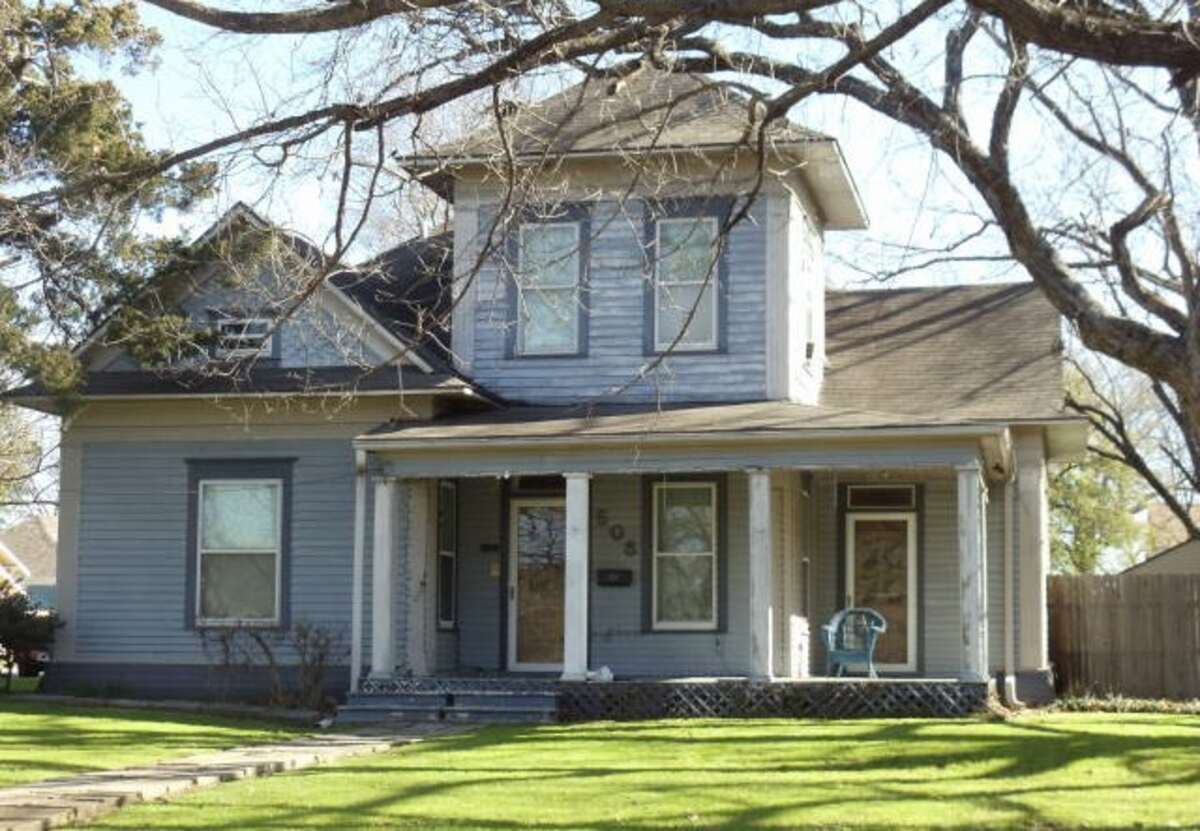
(414, 699)
(500, 699)
(501, 715)
(373, 715)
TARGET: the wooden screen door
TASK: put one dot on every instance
(537, 558)
(881, 574)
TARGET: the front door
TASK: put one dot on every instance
(881, 574)
(537, 554)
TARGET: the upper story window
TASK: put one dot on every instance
(686, 284)
(243, 337)
(547, 289)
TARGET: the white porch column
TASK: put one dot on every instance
(358, 567)
(421, 572)
(1033, 551)
(575, 589)
(761, 665)
(383, 618)
(972, 570)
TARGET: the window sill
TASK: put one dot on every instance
(677, 351)
(553, 356)
(685, 629)
(237, 624)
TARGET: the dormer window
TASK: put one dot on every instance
(243, 337)
(686, 284)
(548, 308)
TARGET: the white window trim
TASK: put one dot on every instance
(519, 344)
(278, 551)
(266, 345)
(448, 490)
(711, 279)
(656, 555)
(909, 517)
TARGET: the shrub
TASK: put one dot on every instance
(1115, 703)
(298, 682)
(25, 628)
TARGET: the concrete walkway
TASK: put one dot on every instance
(53, 803)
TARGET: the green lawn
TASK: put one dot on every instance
(40, 741)
(1060, 770)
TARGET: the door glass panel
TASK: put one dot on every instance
(541, 550)
(881, 581)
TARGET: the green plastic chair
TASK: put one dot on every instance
(850, 638)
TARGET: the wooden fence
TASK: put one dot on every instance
(1133, 635)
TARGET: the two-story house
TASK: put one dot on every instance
(615, 420)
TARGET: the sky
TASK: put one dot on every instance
(207, 83)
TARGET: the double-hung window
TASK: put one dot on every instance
(547, 289)
(686, 313)
(447, 560)
(243, 337)
(685, 555)
(239, 550)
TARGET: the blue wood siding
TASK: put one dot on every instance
(617, 638)
(132, 545)
(480, 548)
(939, 606)
(615, 347)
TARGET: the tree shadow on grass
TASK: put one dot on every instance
(684, 774)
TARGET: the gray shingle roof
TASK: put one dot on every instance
(649, 109)
(980, 352)
(634, 420)
(407, 290)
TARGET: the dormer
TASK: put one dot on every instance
(621, 241)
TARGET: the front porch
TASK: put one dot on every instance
(690, 580)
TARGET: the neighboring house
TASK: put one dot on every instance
(28, 552)
(1183, 558)
(1166, 531)
(548, 486)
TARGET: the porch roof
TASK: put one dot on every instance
(649, 421)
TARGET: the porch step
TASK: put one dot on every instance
(365, 714)
(506, 715)
(476, 706)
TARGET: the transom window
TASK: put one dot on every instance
(881, 497)
(238, 549)
(243, 337)
(686, 276)
(685, 555)
(447, 553)
(548, 289)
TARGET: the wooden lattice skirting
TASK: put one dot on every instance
(632, 700)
